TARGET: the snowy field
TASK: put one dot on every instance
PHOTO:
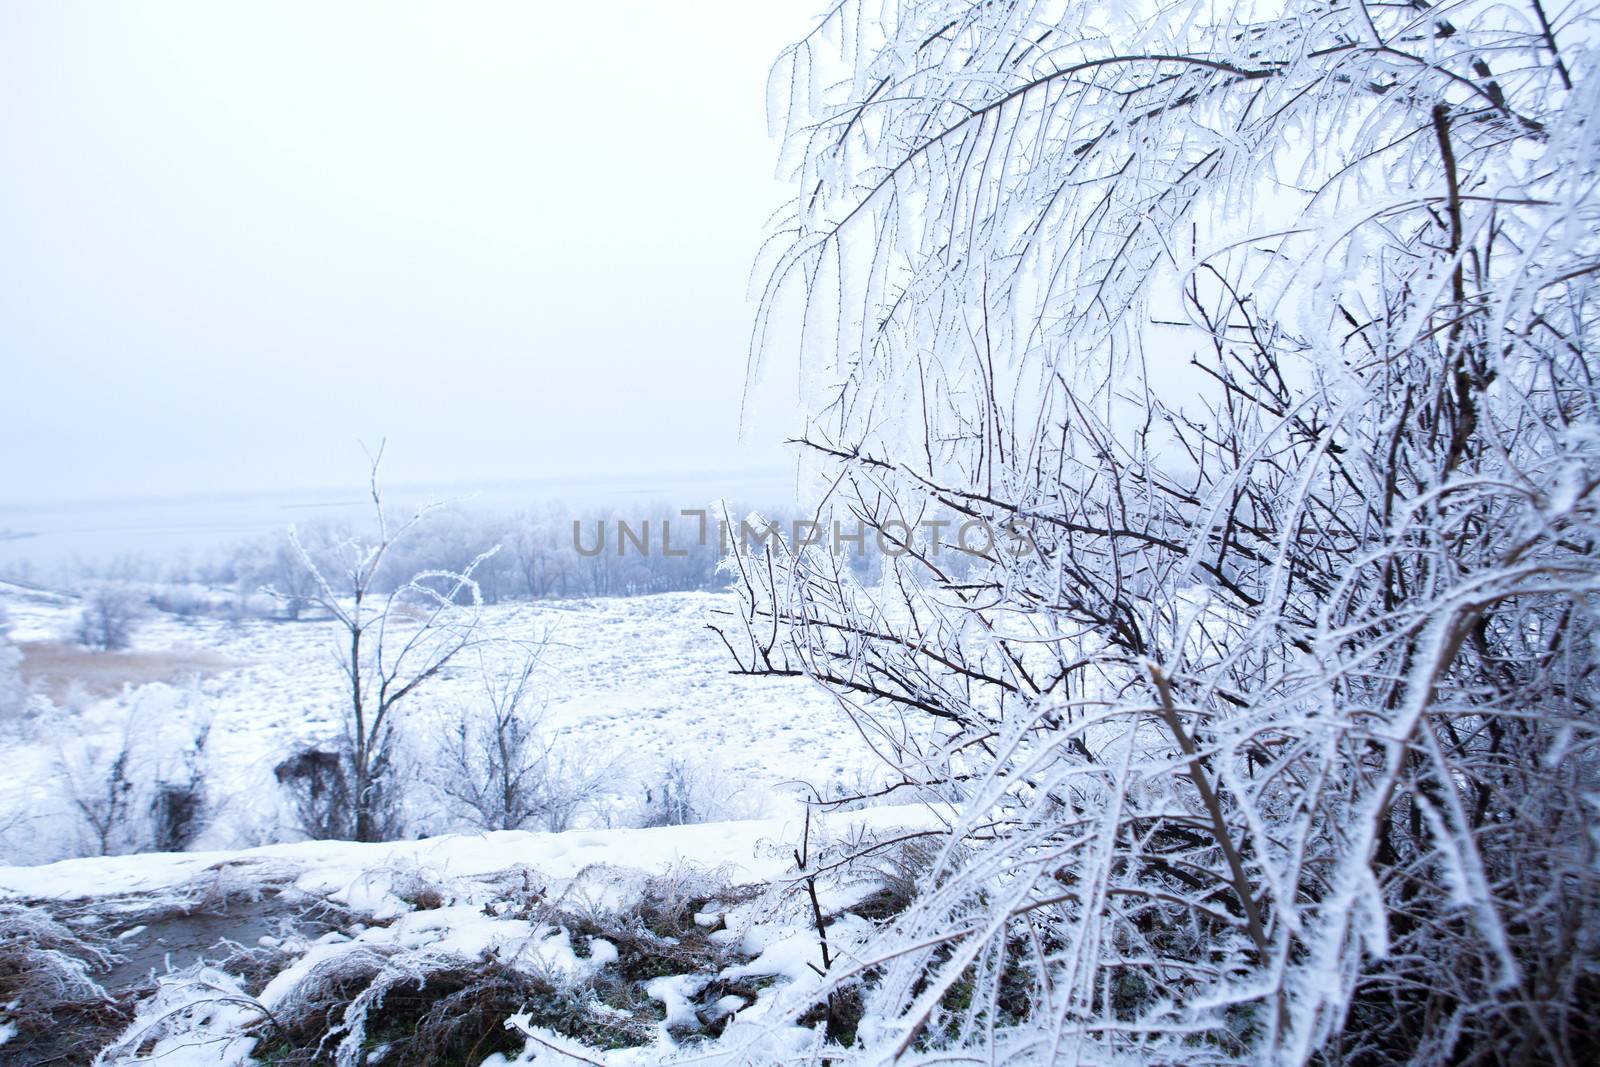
(630, 685)
(637, 945)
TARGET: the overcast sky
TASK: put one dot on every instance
(236, 239)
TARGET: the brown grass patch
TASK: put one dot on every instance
(55, 667)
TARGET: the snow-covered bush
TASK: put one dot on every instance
(499, 769)
(179, 805)
(110, 612)
(197, 1014)
(319, 783)
(183, 599)
(13, 691)
(98, 780)
(139, 784)
(48, 982)
(1257, 344)
(685, 791)
(440, 984)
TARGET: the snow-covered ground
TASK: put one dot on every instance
(630, 683)
(711, 914)
(618, 945)
(369, 878)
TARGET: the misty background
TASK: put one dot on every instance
(240, 240)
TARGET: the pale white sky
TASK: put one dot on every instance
(515, 238)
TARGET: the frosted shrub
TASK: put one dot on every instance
(498, 768)
(13, 691)
(110, 613)
(48, 978)
(685, 791)
(140, 785)
(1265, 333)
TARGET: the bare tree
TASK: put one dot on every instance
(1256, 345)
(110, 612)
(686, 791)
(541, 558)
(293, 583)
(498, 766)
(392, 646)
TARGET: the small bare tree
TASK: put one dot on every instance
(143, 787)
(541, 566)
(291, 579)
(109, 614)
(686, 791)
(99, 782)
(498, 767)
(392, 645)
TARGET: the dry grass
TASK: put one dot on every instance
(49, 989)
(57, 668)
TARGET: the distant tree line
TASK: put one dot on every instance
(540, 558)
